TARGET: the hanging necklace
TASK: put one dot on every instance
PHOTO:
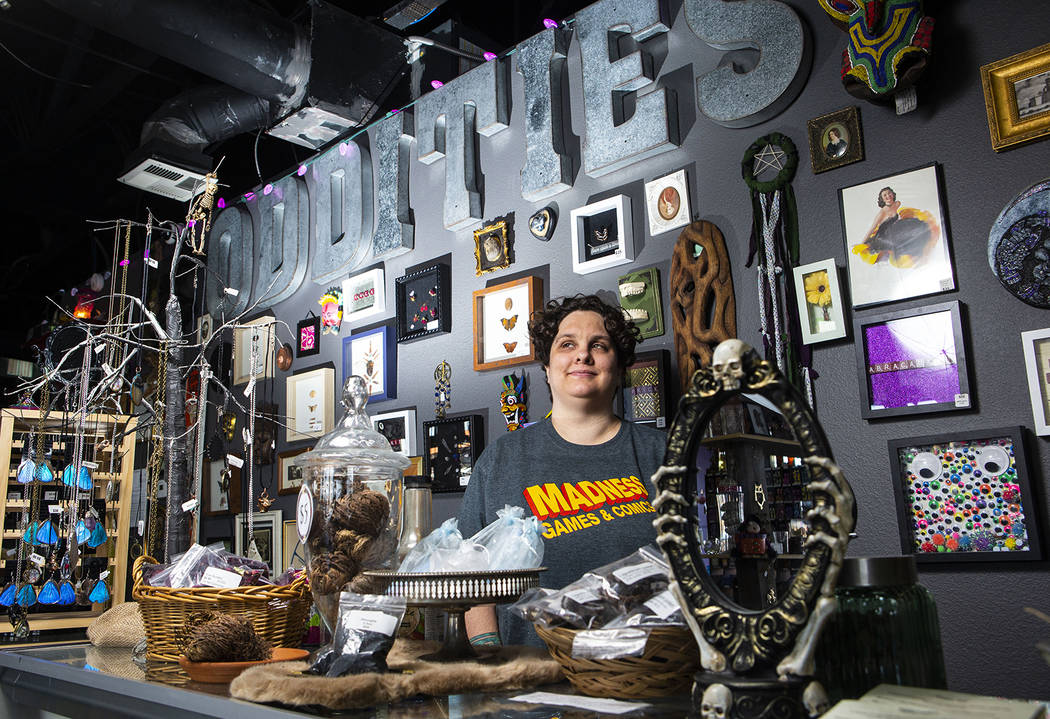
(155, 465)
(249, 432)
(442, 389)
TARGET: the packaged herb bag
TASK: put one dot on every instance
(364, 633)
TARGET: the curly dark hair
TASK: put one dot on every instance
(881, 202)
(544, 324)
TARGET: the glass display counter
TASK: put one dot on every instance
(80, 681)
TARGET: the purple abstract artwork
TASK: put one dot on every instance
(912, 361)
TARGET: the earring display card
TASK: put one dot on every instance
(645, 393)
(423, 303)
(642, 301)
(452, 446)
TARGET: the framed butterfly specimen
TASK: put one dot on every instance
(310, 397)
(501, 323)
(372, 355)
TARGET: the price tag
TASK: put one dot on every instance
(189, 505)
(250, 388)
(304, 513)
(54, 509)
(49, 496)
(215, 577)
(637, 572)
(103, 575)
(235, 460)
(83, 495)
(107, 369)
(152, 262)
(90, 465)
(36, 559)
(962, 400)
(231, 292)
(141, 526)
(371, 621)
(99, 348)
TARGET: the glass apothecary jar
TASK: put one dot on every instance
(348, 514)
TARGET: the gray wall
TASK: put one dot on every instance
(988, 639)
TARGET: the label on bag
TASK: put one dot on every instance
(663, 604)
(582, 596)
(215, 577)
(637, 572)
(36, 559)
(103, 575)
(609, 643)
(304, 513)
(54, 509)
(235, 460)
(373, 621)
(189, 505)
(90, 465)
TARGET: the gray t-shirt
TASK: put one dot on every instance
(592, 500)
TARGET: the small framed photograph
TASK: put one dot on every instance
(256, 338)
(310, 404)
(835, 139)
(399, 427)
(896, 238)
(293, 551)
(912, 361)
(205, 329)
(501, 323)
(642, 302)
(602, 235)
(819, 297)
(416, 468)
(451, 447)
(965, 497)
(1017, 97)
(222, 492)
(1036, 346)
(757, 417)
(372, 355)
(267, 543)
(309, 333)
(290, 474)
(667, 202)
(491, 248)
(364, 295)
(423, 300)
(645, 393)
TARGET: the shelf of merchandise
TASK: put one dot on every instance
(17, 424)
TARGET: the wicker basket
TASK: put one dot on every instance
(279, 614)
(667, 665)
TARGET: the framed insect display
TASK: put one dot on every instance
(602, 235)
(501, 319)
(372, 355)
(451, 447)
(423, 301)
(310, 404)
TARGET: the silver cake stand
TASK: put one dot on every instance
(455, 593)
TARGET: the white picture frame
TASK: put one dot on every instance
(262, 330)
(1036, 346)
(403, 420)
(667, 202)
(365, 291)
(819, 322)
(310, 404)
(269, 538)
(596, 243)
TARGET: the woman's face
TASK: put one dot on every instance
(888, 196)
(583, 362)
(833, 135)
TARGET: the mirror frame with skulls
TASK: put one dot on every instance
(772, 646)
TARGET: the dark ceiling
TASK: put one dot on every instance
(74, 103)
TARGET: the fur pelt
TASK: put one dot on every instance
(511, 668)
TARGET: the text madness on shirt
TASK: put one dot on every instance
(572, 506)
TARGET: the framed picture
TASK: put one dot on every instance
(491, 248)
(667, 202)
(205, 329)
(835, 139)
(451, 446)
(310, 404)
(372, 355)
(1017, 97)
(416, 468)
(602, 235)
(289, 475)
(645, 394)
(819, 298)
(965, 496)
(1036, 346)
(912, 361)
(501, 323)
(364, 295)
(309, 333)
(399, 427)
(222, 491)
(757, 417)
(896, 239)
(259, 338)
(423, 301)
(268, 540)
(642, 301)
(292, 549)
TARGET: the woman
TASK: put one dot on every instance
(836, 146)
(902, 236)
(583, 472)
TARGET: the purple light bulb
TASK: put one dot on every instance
(436, 84)
(549, 24)
(221, 204)
(301, 171)
(489, 56)
(268, 189)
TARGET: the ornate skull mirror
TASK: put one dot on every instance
(756, 653)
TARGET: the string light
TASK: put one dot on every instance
(269, 186)
(249, 196)
(489, 56)
(549, 24)
(221, 204)
(437, 84)
(301, 171)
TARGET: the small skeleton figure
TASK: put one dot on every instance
(727, 363)
(716, 702)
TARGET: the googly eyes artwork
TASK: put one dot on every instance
(964, 496)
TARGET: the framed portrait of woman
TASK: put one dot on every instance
(835, 140)
(896, 237)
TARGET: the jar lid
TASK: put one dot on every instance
(878, 571)
(417, 481)
(354, 441)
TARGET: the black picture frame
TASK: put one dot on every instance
(451, 448)
(645, 398)
(307, 325)
(952, 461)
(423, 300)
(937, 345)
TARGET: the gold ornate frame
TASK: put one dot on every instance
(1005, 125)
(498, 231)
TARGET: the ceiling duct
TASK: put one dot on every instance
(409, 12)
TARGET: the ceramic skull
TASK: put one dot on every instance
(716, 702)
(815, 699)
(727, 363)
